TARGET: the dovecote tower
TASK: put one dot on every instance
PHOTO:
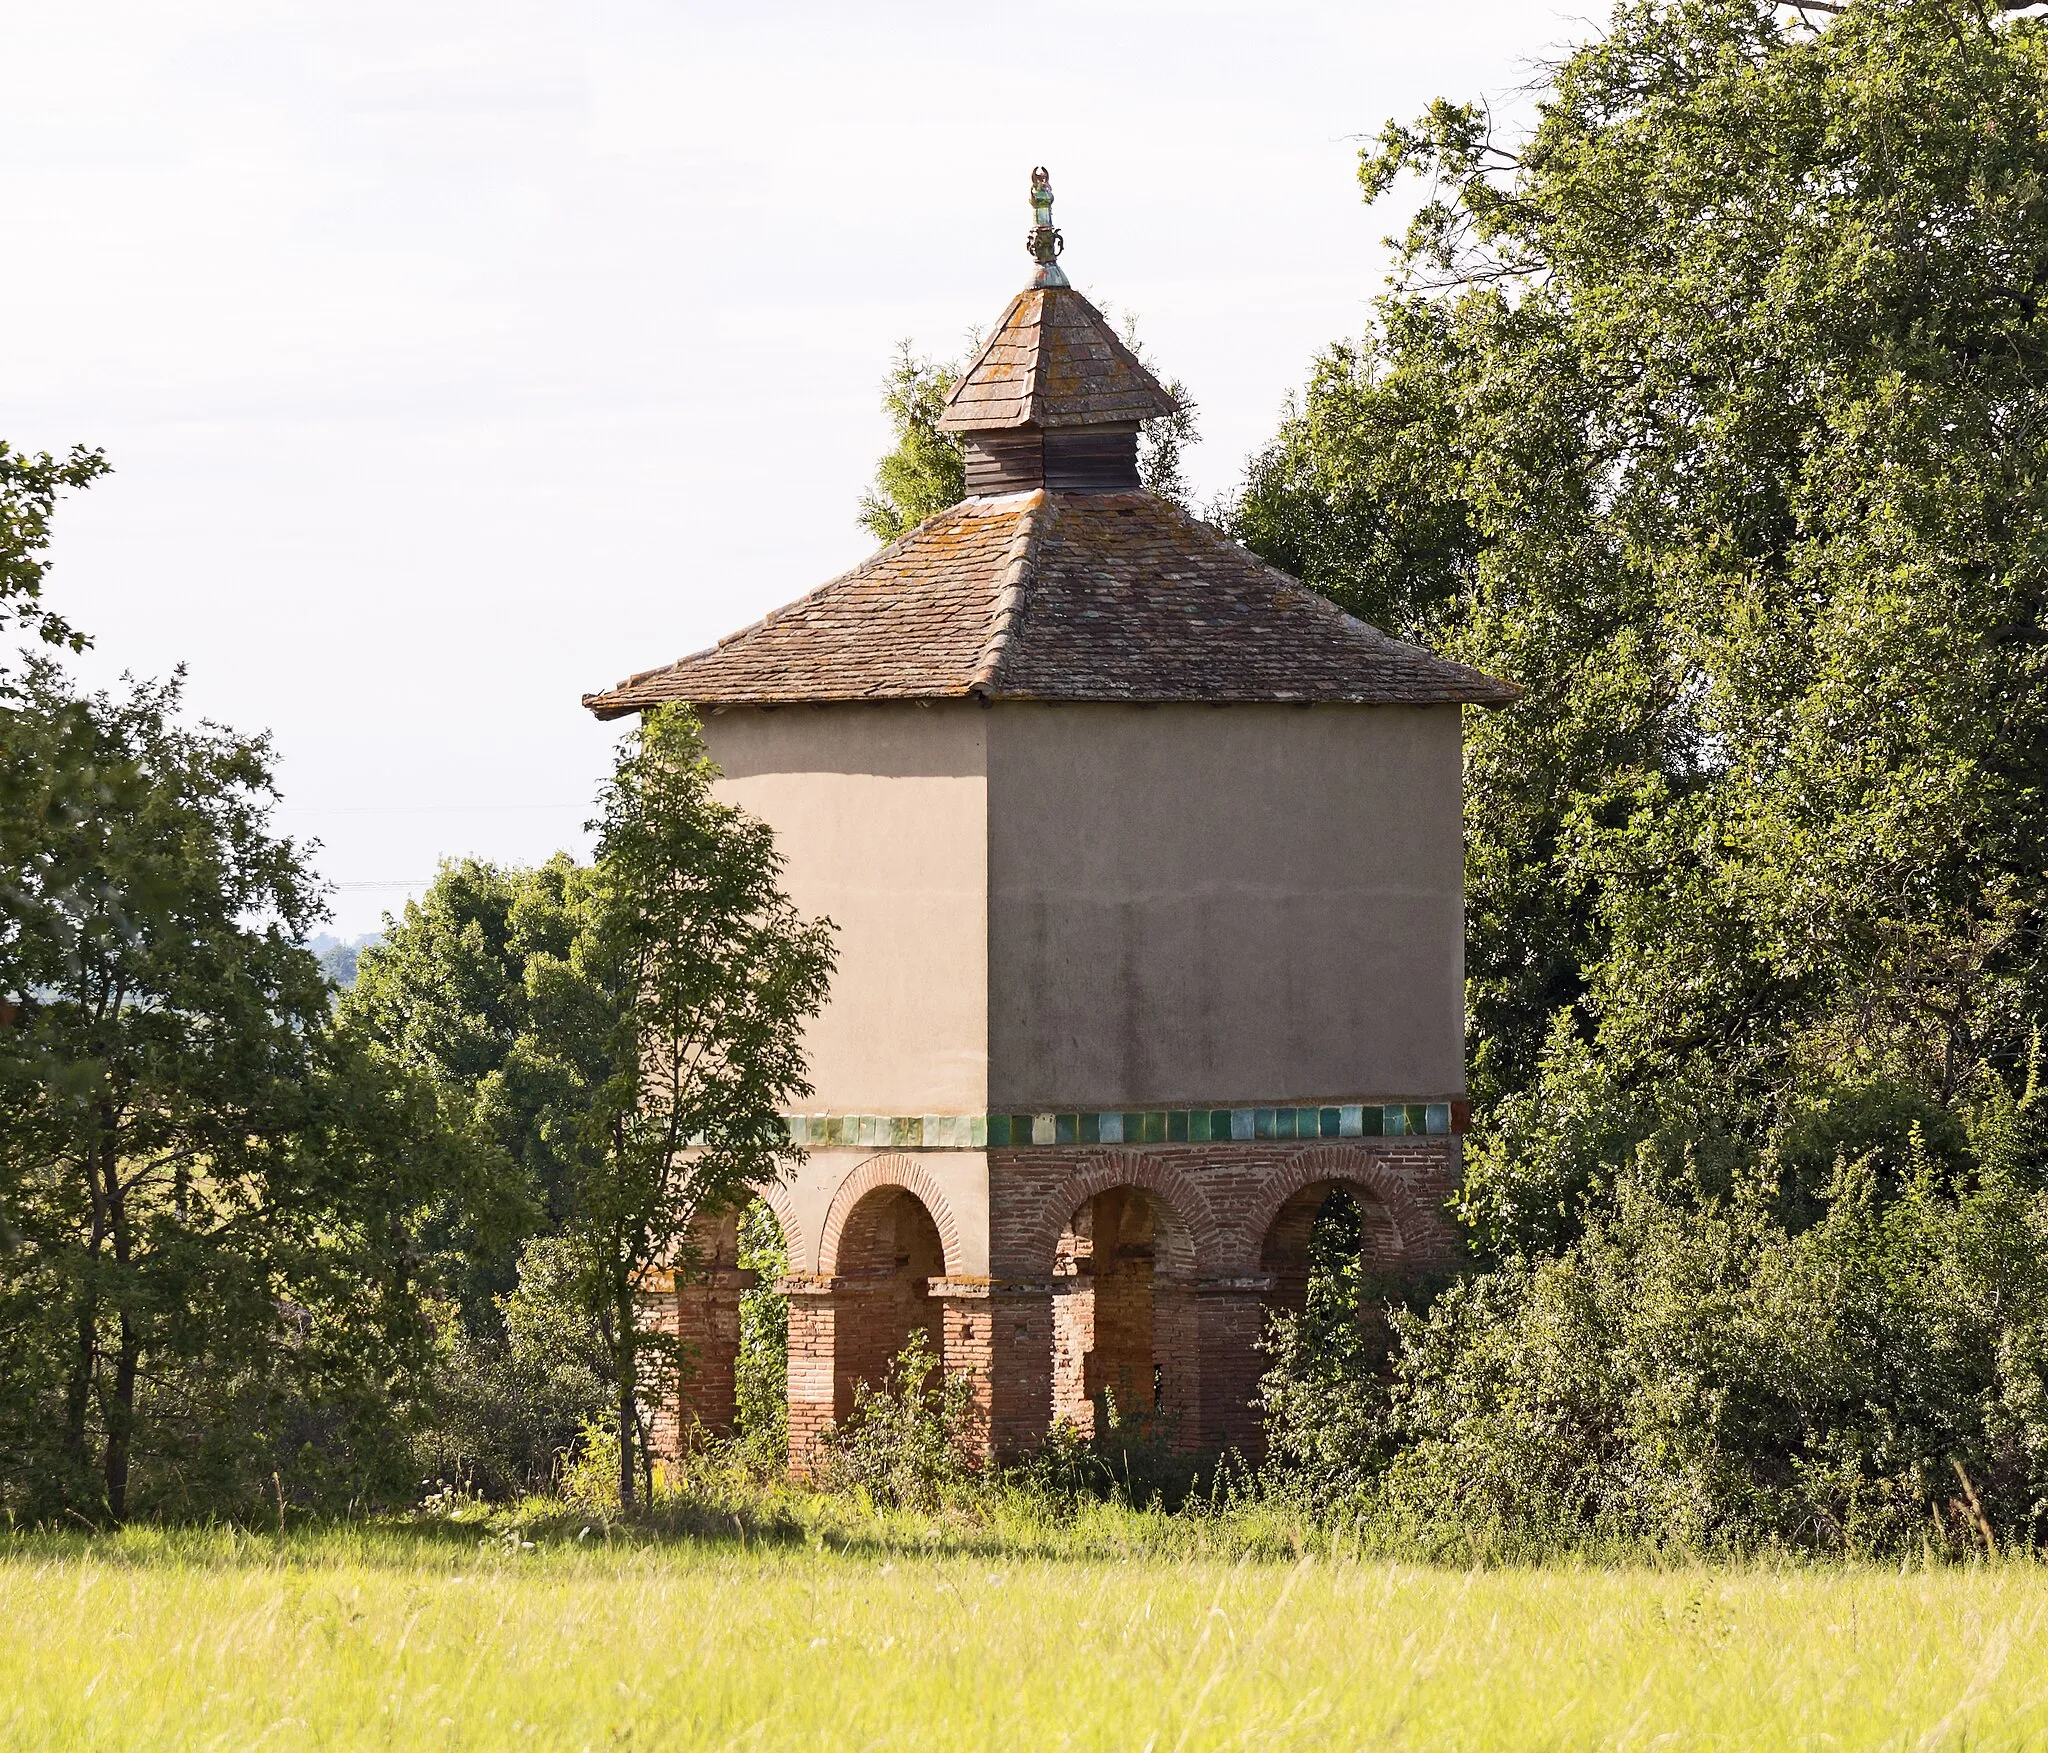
(1147, 863)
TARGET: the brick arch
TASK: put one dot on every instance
(1414, 1226)
(775, 1195)
(1098, 1172)
(905, 1172)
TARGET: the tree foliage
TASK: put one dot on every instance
(216, 1210)
(708, 976)
(924, 470)
(628, 1033)
(29, 485)
(1711, 412)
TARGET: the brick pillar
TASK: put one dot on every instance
(1230, 1315)
(1177, 1352)
(966, 1332)
(813, 1330)
(707, 1320)
(1020, 1365)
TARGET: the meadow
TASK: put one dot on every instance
(909, 1635)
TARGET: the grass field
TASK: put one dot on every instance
(465, 1638)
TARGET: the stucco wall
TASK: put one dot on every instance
(881, 813)
(1224, 905)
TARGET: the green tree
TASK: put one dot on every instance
(924, 470)
(707, 975)
(214, 1206)
(445, 995)
(1710, 411)
(628, 1033)
(29, 485)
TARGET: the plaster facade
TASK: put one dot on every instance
(1229, 905)
(1051, 907)
(881, 815)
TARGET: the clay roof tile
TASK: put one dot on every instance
(1060, 596)
(1053, 361)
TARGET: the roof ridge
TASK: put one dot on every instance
(1015, 566)
(1034, 351)
(1054, 360)
(987, 347)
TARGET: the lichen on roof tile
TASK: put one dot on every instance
(1060, 596)
(1053, 361)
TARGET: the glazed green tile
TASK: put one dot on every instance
(1066, 1128)
(906, 1131)
(1091, 1128)
(1155, 1126)
(1198, 1126)
(1372, 1121)
(1177, 1126)
(1134, 1128)
(978, 1131)
(997, 1131)
(1262, 1123)
(1417, 1119)
(1349, 1121)
(1333, 1122)
(1439, 1118)
(1223, 1124)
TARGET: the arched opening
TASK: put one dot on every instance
(1124, 1337)
(1332, 1252)
(889, 1252)
(761, 1369)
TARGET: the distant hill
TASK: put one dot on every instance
(338, 954)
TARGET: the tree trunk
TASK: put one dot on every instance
(628, 1423)
(78, 1390)
(121, 1420)
(121, 1413)
(625, 1359)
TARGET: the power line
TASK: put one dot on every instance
(411, 809)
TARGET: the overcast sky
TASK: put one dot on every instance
(455, 359)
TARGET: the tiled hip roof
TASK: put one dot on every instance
(1060, 596)
(1053, 361)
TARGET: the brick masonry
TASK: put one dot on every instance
(1146, 1271)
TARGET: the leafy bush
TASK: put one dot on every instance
(1691, 1373)
(513, 1405)
(911, 1442)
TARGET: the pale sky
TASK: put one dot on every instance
(456, 359)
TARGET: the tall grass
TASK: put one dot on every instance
(852, 1636)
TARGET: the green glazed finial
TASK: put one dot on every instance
(1045, 243)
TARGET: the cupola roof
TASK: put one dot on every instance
(1078, 586)
(1053, 362)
